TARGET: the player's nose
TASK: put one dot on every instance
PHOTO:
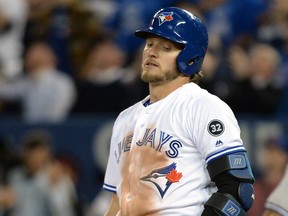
(153, 51)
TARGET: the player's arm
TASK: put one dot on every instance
(233, 177)
(114, 206)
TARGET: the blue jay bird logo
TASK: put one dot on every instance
(163, 178)
(164, 16)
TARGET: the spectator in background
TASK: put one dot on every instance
(257, 88)
(61, 178)
(274, 161)
(273, 30)
(276, 203)
(100, 88)
(68, 26)
(28, 180)
(13, 15)
(46, 94)
(211, 81)
(43, 185)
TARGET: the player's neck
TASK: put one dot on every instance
(160, 90)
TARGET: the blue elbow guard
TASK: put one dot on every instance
(237, 166)
(225, 204)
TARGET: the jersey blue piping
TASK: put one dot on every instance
(224, 152)
(110, 188)
(147, 103)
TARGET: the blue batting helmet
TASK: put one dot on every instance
(182, 27)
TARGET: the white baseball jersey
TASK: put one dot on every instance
(159, 153)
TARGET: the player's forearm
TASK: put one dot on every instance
(235, 194)
(208, 211)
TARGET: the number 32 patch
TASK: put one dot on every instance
(215, 127)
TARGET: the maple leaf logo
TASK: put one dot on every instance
(163, 178)
(169, 18)
(173, 176)
(165, 16)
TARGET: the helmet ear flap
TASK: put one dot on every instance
(189, 63)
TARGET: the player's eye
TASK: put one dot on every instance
(166, 48)
(149, 43)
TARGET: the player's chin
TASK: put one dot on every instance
(151, 77)
(149, 73)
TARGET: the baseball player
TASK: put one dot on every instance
(178, 151)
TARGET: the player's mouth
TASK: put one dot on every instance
(150, 64)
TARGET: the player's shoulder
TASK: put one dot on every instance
(199, 97)
(194, 92)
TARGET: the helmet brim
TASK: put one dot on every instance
(148, 32)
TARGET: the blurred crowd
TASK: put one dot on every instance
(66, 58)
(35, 180)
(274, 161)
(76, 57)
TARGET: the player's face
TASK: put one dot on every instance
(159, 60)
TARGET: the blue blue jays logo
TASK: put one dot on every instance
(164, 16)
(163, 178)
